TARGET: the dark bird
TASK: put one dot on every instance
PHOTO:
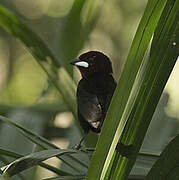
(94, 91)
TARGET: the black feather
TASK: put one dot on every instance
(94, 95)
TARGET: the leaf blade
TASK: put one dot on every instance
(31, 160)
(166, 166)
(122, 93)
(44, 165)
(44, 143)
(153, 81)
(42, 55)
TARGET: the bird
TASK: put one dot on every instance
(94, 90)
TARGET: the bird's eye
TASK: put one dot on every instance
(91, 59)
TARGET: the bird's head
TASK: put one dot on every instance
(93, 62)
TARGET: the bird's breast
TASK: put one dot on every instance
(98, 84)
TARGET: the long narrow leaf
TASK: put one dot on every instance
(42, 54)
(166, 166)
(116, 119)
(31, 160)
(82, 19)
(44, 165)
(45, 108)
(153, 77)
(67, 178)
(44, 143)
(1, 177)
(5, 161)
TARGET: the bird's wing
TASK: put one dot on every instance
(88, 105)
(111, 88)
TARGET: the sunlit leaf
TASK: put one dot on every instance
(150, 83)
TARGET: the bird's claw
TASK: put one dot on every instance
(78, 147)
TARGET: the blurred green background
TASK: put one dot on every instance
(69, 28)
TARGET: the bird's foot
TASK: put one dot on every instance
(79, 147)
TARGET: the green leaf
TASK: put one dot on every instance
(81, 19)
(67, 178)
(60, 78)
(31, 160)
(6, 161)
(9, 153)
(118, 112)
(136, 177)
(150, 83)
(44, 165)
(1, 177)
(15, 27)
(44, 108)
(166, 167)
(45, 144)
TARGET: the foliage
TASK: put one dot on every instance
(133, 104)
